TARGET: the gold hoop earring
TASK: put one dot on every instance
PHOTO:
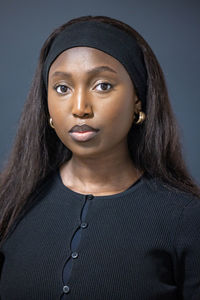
(141, 118)
(51, 123)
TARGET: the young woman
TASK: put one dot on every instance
(96, 202)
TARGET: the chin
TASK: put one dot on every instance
(87, 151)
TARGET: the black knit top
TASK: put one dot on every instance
(143, 243)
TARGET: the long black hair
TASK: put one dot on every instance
(154, 146)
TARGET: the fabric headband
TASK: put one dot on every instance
(107, 38)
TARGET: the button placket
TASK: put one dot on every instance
(83, 225)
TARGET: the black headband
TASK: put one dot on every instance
(107, 38)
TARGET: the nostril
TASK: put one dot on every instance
(82, 111)
(85, 113)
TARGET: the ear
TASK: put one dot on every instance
(138, 106)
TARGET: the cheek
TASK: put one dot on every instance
(59, 116)
(52, 107)
(120, 114)
(57, 109)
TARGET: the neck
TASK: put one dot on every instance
(106, 173)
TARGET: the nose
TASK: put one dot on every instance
(81, 105)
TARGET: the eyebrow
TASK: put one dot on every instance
(93, 71)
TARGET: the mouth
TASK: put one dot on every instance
(83, 133)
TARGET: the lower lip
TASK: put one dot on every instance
(83, 136)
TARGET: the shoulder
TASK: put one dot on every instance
(42, 189)
(179, 211)
(163, 192)
(170, 205)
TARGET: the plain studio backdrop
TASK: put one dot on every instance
(172, 28)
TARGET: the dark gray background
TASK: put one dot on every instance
(172, 28)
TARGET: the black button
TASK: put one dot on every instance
(66, 289)
(84, 225)
(90, 197)
(74, 255)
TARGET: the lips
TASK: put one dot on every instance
(82, 128)
(83, 133)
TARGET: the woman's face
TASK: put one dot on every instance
(88, 86)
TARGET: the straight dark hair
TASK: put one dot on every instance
(154, 146)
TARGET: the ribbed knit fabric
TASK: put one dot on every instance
(143, 243)
(76, 240)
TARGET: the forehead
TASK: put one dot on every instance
(85, 57)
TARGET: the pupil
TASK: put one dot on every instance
(63, 88)
(104, 86)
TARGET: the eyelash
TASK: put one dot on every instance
(63, 85)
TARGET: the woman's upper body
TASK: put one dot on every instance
(143, 243)
(98, 114)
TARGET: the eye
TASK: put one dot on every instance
(61, 89)
(104, 86)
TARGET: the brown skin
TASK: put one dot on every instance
(102, 165)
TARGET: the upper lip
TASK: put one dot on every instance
(82, 128)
